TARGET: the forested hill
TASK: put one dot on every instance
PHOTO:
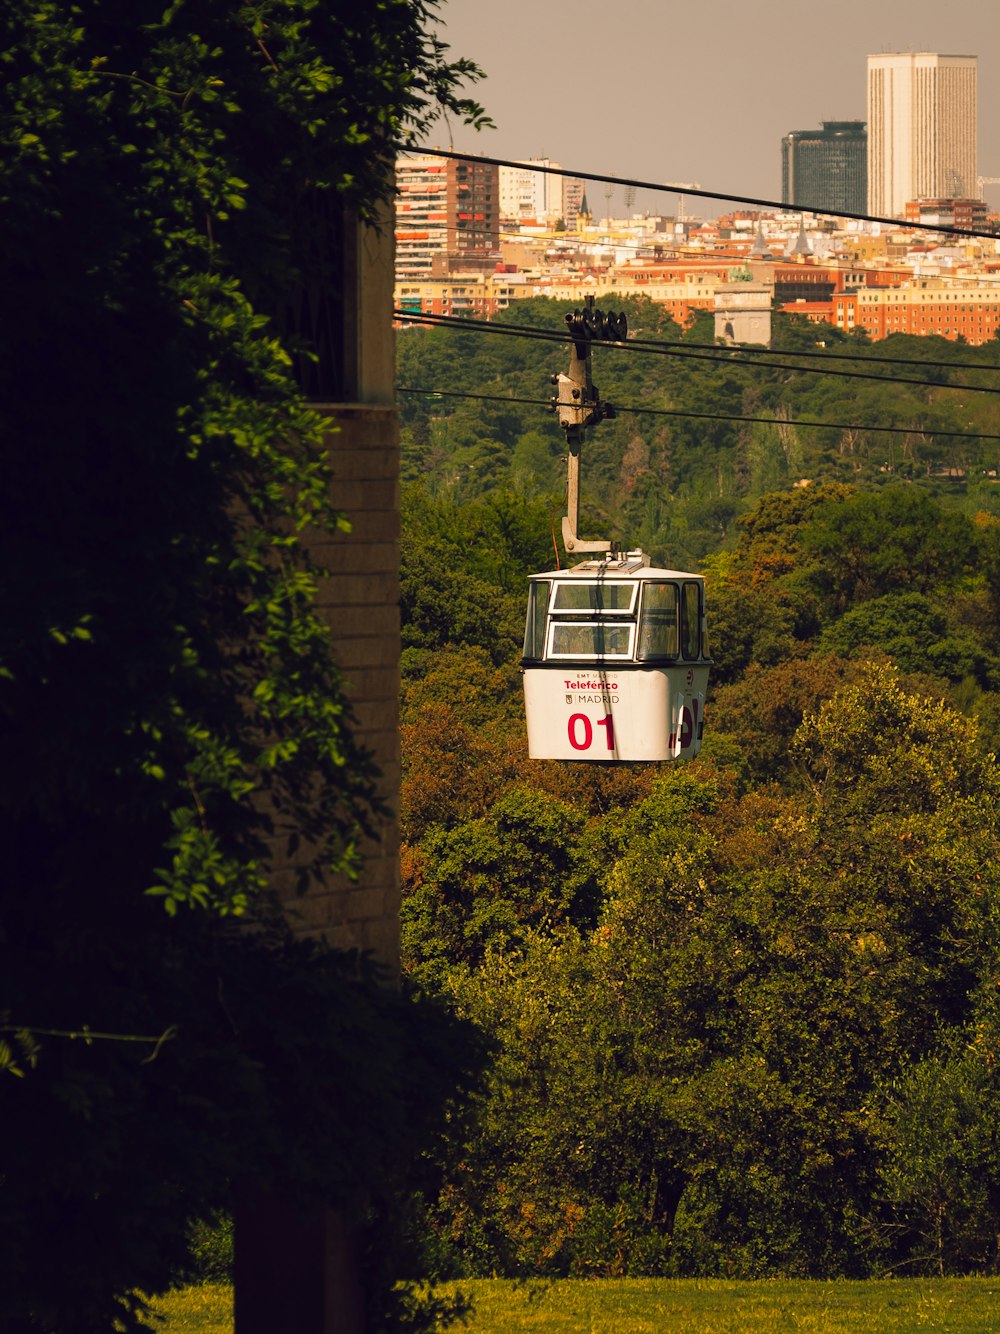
(674, 484)
(745, 1010)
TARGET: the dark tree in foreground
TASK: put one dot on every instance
(165, 684)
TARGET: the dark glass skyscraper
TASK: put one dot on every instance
(826, 168)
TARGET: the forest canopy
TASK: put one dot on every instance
(675, 483)
(746, 1007)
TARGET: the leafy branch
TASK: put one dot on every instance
(25, 1035)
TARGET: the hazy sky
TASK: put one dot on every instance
(696, 91)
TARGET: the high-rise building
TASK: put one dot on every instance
(826, 168)
(921, 129)
(541, 196)
(447, 214)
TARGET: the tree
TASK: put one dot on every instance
(942, 1159)
(873, 544)
(443, 605)
(749, 624)
(702, 1082)
(146, 189)
(763, 710)
(876, 747)
(915, 634)
(489, 881)
(763, 596)
(171, 701)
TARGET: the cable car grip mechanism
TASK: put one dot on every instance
(579, 405)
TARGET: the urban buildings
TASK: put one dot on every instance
(447, 215)
(473, 240)
(970, 214)
(921, 306)
(921, 129)
(540, 196)
(883, 281)
(743, 310)
(826, 168)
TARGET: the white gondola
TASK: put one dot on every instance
(615, 662)
(615, 652)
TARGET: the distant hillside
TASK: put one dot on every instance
(675, 484)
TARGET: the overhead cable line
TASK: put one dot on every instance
(716, 355)
(815, 355)
(707, 416)
(895, 223)
(463, 321)
(723, 359)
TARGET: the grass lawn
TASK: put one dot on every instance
(680, 1306)
(205, 1309)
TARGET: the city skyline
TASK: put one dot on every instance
(660, 91)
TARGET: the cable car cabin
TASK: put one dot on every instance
(615, 662)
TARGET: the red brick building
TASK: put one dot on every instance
(927, 306)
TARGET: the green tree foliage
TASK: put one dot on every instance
(909, 628)
(839, 569)
(942, 1159)
(762, 710)
(487, 882)
(874, 544)
(172, 708)
(700, 1081)
(444, 605)
(765, 603)
(278, 1067)
(675, 483)
(160, 636)
(452, 768)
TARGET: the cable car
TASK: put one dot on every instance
(615, 661)
(615, 656)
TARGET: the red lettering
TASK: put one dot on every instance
(588, 731)
(687, 728)
(608, 724)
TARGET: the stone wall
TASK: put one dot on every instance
(360, 603)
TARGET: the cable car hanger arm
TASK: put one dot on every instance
(578, 403)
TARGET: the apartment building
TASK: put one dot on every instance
(923, 306)
(972, 214)
(477, 295)
(447, 214)
(527, 194)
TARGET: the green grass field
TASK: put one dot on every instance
(683, 1306)
(642, 1306)
(205, 1309)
